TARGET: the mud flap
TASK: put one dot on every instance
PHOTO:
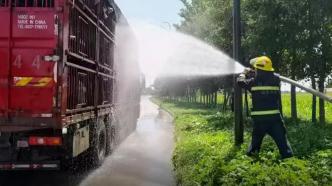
(81, 141)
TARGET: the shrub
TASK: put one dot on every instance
(205, 155)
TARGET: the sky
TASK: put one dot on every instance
(158, 12)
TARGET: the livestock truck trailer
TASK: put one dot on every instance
(68, 89)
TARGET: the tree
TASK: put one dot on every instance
(318, 39)
(210, 20)
(296, 34)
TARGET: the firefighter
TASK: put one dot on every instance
(266, 114)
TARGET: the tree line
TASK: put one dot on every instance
(205, 91)
(296, 34)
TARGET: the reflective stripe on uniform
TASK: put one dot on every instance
(266, 112)
(261, 88)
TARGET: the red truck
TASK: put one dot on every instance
(67, 89)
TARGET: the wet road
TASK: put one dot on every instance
(142, 159)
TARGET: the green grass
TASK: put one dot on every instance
(304, 102)
(205, 155)
(304, 105)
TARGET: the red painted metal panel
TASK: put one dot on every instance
(4, 18)
(4, 58)
(32, 78)
(28, 62)
(27, 82)
(3, 95)
(31, 100)
(37, 23)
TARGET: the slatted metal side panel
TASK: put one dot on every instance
(82, 36)
(105, 87)
(32, 3)
(80, 88)
(107, 14)
(4, 3)
(91, 4)
(92, 50)
(106, 51)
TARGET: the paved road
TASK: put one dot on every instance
(142, 159)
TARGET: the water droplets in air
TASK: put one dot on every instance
(165, 52)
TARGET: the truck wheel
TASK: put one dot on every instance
(111, 143)
(112, 139)
(111, 134)
(99, 147)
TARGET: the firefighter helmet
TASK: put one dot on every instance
(262, 63)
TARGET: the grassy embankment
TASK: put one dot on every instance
(304, 107)
(205, 155)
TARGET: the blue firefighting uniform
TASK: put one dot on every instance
(266, 111)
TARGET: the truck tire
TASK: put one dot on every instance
(111, 134)
(112, 139)
(99, 147)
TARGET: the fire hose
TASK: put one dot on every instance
(307, 89)
(251, 73)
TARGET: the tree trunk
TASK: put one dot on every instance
(314, 102)
(246, 104)
(190, 98)
(189, 95)
(216, 98)
(193, 96)
(232, 99)
(321, 101)
(293, 103)
(207, 99)
(225, 100)
(212, 99)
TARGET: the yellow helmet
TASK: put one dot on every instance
(262, 63)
